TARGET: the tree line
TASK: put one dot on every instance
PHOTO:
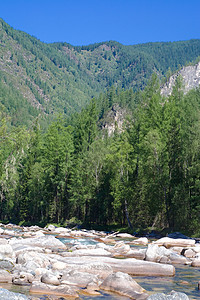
(147, 175)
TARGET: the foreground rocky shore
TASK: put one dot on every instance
(37, 258)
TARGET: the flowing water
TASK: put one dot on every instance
(185, 280)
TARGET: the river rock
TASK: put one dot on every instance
(92, 267)
(155, 253)
(59, 265)
(123, 284)
(89, 252)
(30, 266)
(143, 241)
(81, 279)
(5, 276)
(6, 264)
(5, 294)
(171, 296)
(178, 250)
(177, 259)
(129, 265)
(50, 278)
(50, 227)
(195, 263)
(40, 259)
(135, 253)
(106, 240)
(120, 249)
(18, 248)
(92, 289)
(61, 290)
(125, 236)
(23, 278)
(189, 253)
(169, 242)
(43, 242)
(6, 250)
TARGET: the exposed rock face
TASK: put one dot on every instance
(114, 119)
(191, 79)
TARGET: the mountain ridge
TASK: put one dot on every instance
(61, 78)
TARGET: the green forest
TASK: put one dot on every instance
(40, 79)
(146, 175)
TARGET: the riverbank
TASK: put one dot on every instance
(76, 263)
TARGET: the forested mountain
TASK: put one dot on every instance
(128, 156)
(38, 78)
(75, 171)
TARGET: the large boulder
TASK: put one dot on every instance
(129, 265)
(123, 284)
(143, 241)
(161, 254)
(39, 259)
(171, 296)
(196, 263)
(61, 290)
(120, 249)
(6, 250)
(102, 269)
(5, 276)
(177, 259)
(6, 265)
(125, 235)
(135, 253)
(50, 278)
(23, 278)
(169, 242)
(43, 242)
(81, 279)
(89, 252)
(7, 295)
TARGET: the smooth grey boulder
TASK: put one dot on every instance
(7, 295)
(61, 290)
(6, 250)
(171, 296)
(177, 259)
(143, 241)
(6, 265)
(123, 284)
(131, 266)
(169, 242)
(37, 258)
(46, 241)
(125, 236)
(81, 279)
(89, 252)
(50, 278)
(50, 227)
(102, 269)
(5, 276)
(22, 278)
(196, 263)
(135, 253)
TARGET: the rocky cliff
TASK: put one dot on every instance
(190, 76)
(114, 119)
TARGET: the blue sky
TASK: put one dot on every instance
(82, 22)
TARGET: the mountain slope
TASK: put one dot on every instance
(190, 76)
(51, 78)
